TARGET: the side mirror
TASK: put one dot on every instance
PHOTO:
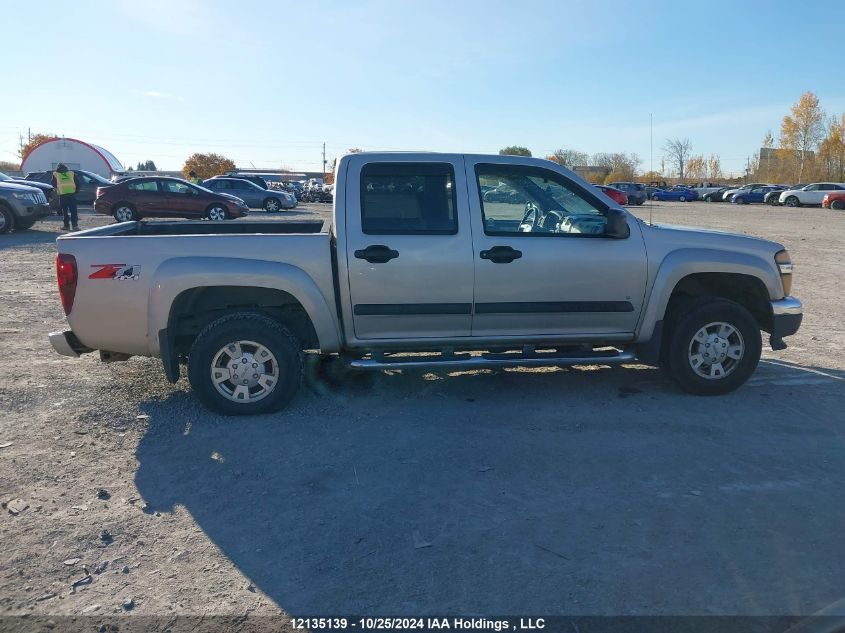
(190, 191)
(617, 224)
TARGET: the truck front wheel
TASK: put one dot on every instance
(713, 344)
(245, 364)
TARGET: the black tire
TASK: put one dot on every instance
(7, 220)
(120, 211)
(837, 205)
(272, 205)
(246, 326)
(792, 201)
(708, 198)
(773, 201)
(682, 198)
(686, 320)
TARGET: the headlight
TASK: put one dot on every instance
(24, 196)
(784, 264)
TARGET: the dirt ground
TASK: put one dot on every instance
(555, 491)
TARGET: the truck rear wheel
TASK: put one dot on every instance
(245, 364)
(713, 346)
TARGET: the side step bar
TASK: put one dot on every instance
(488, 361)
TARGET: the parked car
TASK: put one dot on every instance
(21, 206)
(166, 198)
(256, 180)
(617, 195)
(255, 197)
(716, 195)
(439, 279)
(49, 191)
(730, 192)
(636, 191)
(679, 194)
(88, 183)
(834, 200)
(753, 195)
(705, 189)
(811, 194)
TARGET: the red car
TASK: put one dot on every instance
(165, 198)
(617, 195)
(834, 200)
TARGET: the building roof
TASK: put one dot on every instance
(109, 158)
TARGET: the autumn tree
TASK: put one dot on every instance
(620, 165)
(714, 167)
(515, 150)
(569, 157)
(803, 129)
(35, 139)
(207, 165)
(7, 166)
(697, 167)
(354, 150)
(832, 150)
(677, 153)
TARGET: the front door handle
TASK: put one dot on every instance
(501, 254)
(377, 254)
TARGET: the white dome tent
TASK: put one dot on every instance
(74, 153)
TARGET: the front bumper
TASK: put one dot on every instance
(66, 344)
(787, 314)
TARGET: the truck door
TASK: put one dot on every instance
(543, 267)
(408, 248)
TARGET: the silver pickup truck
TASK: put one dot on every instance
(432, 261)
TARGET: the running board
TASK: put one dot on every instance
(488, 361)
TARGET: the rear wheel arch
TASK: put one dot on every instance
(193, 309)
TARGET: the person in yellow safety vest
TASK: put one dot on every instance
(192, 177)
(67, 186)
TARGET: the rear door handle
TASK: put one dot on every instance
(377, 254)
(501, 254)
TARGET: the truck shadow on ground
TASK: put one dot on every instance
(574, 491)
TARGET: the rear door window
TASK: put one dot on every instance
(408, 199)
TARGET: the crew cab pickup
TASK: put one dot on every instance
(420, 270)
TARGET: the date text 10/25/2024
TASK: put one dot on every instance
(404, 624)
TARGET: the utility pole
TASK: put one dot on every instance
(324, 161)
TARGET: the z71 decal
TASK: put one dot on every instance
(121, 272)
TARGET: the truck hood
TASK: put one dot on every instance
(697, 237)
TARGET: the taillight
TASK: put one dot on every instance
(99, 191)
(67, 276)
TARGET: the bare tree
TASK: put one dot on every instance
(678, 152)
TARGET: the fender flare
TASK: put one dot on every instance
(689, 261)
(177, 275)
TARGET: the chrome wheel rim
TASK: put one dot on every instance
(123, 214)
(217, 214)
(791, 202)
(244, 371)
(272, 205)
(2, 221)
(716, 350)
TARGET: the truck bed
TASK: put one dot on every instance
(125, 270)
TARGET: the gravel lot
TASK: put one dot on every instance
(571, 491)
